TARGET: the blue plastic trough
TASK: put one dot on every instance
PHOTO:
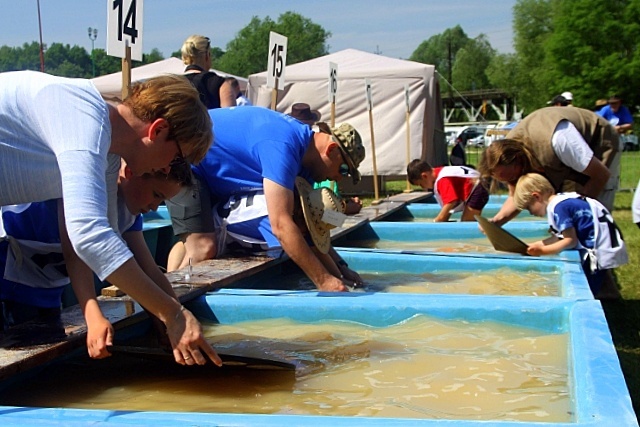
(158, 234)
(423, 237)
(567, 277)
(598, 393)
(493, 198)
(428, 211)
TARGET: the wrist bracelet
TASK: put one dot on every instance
(342, 263)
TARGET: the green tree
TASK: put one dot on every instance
(106, 64)
(64, 60)
(502, 73)
(7, 58)
(472, 61)
(26, 57)
(594, 49)
(216, 53)
(69, 69)
(588, 47)
(532, 25)
(441, 51)
(148, 58)
(248, 52)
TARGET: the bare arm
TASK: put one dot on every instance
(135, 241)
(280, 208)
(183, 329)
(445, 212)
(195, 246)
(99, 329)
(554, 245)
(227, 95)
(624, 128)
(345, 271)
(508, 211)
(598, 176)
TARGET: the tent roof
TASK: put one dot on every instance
(352, 63)
(309, 82)
(110, 85)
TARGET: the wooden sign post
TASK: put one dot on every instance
(126, 72)
(124, 35)
(376, 193)
(407, 119)
(333, 88)
(276, 65)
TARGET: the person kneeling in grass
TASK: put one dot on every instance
(577, 222)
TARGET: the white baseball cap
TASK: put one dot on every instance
(567, 95)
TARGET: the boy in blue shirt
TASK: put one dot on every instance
(577, 222)
(34, 273)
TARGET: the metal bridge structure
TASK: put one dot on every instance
(474, 106)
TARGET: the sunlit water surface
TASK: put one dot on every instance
(420, 368)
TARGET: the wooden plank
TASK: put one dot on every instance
(111, 291)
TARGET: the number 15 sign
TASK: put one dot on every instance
(277, 60)
(124, 27)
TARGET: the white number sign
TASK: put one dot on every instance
(277, 60)
(124, 27)
(333, 81)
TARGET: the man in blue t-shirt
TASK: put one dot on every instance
(617, 114)
(249, 175)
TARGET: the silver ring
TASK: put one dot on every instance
(187, 358)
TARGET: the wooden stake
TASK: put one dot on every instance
(333, 115)
(376, 193)
(333, 185)
(274, 96)
(126, 72)
(408, 125)
(408, 190)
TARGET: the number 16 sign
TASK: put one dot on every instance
(124, 27)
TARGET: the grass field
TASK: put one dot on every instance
(622, 316)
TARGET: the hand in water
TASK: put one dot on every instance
(333, 284)
(188, 343)
(535, 248)
(351, 278)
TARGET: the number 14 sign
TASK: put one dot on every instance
(124, 27)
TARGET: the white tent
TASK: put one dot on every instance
(110, 85)
(308, 82)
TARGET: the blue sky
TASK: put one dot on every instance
(393, 28)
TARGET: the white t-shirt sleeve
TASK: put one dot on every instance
(635, 205)
(570, 146)
(86, 209)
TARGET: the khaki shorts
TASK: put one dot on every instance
(191, 209)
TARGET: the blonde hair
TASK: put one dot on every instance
(195, 49)
(527, 185)
(174, 99)
(505, 152)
